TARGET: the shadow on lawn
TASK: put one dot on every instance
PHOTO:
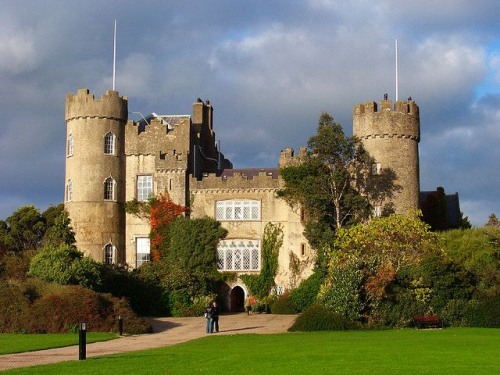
(240, 329)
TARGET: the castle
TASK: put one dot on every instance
(111, 160)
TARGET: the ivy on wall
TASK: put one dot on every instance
(261, 285)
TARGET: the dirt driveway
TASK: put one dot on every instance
(166, 332)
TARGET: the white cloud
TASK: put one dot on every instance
(269, 69)
(17, 49)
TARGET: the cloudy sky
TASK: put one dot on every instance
(268, 67)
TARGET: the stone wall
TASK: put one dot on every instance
(260, 185)
(391, 136)
(96, 221)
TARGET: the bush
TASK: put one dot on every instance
(307, 292)
(343, 291)
(283, 305)
(319, 318)
(484, 313)
(141, 288)
(63, 311)
(13, 308)
(398, 312)
(37, 307)
(65, 264)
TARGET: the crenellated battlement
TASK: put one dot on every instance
(165, 136)
(265, 178)
(408, 107)
(385, 121)
(84, 104)
(288, 157)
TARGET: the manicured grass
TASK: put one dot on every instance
(17, 343)
(449, 351)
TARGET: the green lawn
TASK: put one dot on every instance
(17, 343)
(449, 351)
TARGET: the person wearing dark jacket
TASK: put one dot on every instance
(215, 317)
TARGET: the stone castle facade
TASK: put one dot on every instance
(111, 160)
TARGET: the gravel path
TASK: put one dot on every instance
(166, 332)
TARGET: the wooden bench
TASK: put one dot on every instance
(428, 321)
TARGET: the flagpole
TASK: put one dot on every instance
(397, 84)
(114, 58)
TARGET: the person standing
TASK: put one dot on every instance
(252, 302)
(209, 318)
(249, 302)
(215, 317)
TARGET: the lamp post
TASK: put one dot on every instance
(82, 341)
(120, 325)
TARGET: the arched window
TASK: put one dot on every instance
(109, 254)
(109, 144)
(69, 147)
(109, 189)
(69, 191)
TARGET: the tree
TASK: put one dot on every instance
(65, 265)
(60, 232)
(52, 213)
(493, 221)
(23, 230)
(334, 183)
(188, 265)
(380, 248)
(192, 244)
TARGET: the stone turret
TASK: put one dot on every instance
(391, 136)
(95, 172)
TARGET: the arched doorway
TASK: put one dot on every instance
(237, 299)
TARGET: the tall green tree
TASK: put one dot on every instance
(60, 231)
(192, 243)
(334, 182)
(23, 230)
(189, 261)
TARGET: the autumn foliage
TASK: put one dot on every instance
(162, 212)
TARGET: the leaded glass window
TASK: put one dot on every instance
(109, 143)
(143, 252)
(144, 187)
(109, 254)
(241, 210)
(238, 255)
(109, 189)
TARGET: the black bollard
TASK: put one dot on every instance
(120, 325)
(82, 342)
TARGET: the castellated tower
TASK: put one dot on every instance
(391, 136)
(95, 173)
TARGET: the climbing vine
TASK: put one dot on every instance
(261, 285)
(160, 211)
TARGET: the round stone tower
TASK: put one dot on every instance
(95, 173)
(391, 136)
